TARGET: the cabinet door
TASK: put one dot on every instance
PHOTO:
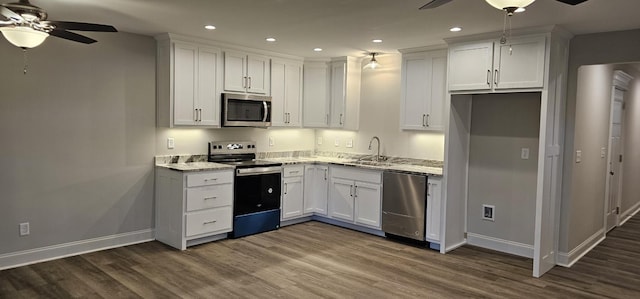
(258, 74)
(338, 93)
(234, 71)
(470, 66)
(434, 203)
(184, 84)
(292, 193)
(293, 93)
(416, 75)
(520, 63)
(278, 91)
(341, 199)
(208, 95)
(368, 202)
(316, 95)
(316, 184)
(438, 93)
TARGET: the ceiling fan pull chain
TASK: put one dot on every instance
(24, 55)
(503, 39)
(510, 45)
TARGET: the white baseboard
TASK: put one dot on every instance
(453, 247)
(501, 245)
(349, 225)
(43, 254)
(628, 214)
(568, 259)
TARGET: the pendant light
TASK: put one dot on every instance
(373, 63)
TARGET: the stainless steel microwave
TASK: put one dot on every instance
(246, 110)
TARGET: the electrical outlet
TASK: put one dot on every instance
(488, 212)
(171, 143)
(272, 141)
(578, 156)
(336, 142)
(24, 229)
(603, 152)
(524, 153)
(349, 143)
(319, 141)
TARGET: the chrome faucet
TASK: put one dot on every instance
(378, 152)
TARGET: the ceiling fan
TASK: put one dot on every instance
(494, 3)
(26, 26)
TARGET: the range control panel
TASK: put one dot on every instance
(232, 147)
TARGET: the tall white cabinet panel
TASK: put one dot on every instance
(345, 93)
(316, 185)
(490, 65)
(246, 73)
(286, 93)
(434, 208)
(520, 63)
(189, 83)
(338, 93)
(470, 66)
(423, 90)
(316, 99)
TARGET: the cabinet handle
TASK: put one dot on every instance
(424, 122)
(244, 82)
(208, 198)
(292, 172)
(325, 174)
(195, 114)
(428, 189)
(341, 119)
(285, 188)
(355, 191)
(496, 77)
(351, 191)
(326, 118)
(200, 115)
(427, 120)
(249, 82)
(209, 222)
(489, 77)
(214, 179)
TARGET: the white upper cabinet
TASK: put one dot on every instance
(491, 65)
(246, 73)
(345, 93)
(423, 90)
(316, 95)
(286, 93)
(189, 83)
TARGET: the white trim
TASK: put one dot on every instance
(628, 214)
(288, 222)
(43, 254)
(348, 225)
(453, 247)
(501, 245)
(621, 80)
(569, 259)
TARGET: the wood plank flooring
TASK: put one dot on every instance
(316, 260)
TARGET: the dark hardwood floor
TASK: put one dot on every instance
(316, 260)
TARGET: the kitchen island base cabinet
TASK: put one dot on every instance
(193, 208)
(355, 196)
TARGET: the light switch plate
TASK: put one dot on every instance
(603, 152)
(524, 153)
(349, 143)
(272, 141)
(171, 143)
(319, 141)
(578, 156)
(336, 142)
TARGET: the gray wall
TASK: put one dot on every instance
(78, 140)
(583, 216)
(501, 125)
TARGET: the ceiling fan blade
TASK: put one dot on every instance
(434, 4)
(71, 36)
(572, 2)
(82, 26)
(9, 14)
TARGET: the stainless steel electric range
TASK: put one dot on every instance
(256, 203)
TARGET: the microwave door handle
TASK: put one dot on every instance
(266, 111)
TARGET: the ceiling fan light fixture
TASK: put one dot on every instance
(509, 4)
(24, 37)
(373, 63)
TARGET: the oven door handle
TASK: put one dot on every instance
(258, 171)
(266, 111)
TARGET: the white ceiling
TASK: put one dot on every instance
(341, 27)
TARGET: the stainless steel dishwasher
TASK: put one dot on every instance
(404, 205)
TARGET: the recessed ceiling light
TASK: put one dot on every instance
(520, 9)
(455, 29)
(270, 39)
(209, 27)
(376, 41)
(318, 49)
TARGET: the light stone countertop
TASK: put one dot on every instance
(195, 166)
(384, 165)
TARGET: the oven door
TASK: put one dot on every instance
(246, 111)
(257, 189)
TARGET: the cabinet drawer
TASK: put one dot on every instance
(291, 171)
(209, 197)
(355, 174)
(209, 178)
(208, 221)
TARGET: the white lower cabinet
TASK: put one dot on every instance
(316, 185)
(355, 196)
(192, 206)
(292, 192)
(434, 207)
